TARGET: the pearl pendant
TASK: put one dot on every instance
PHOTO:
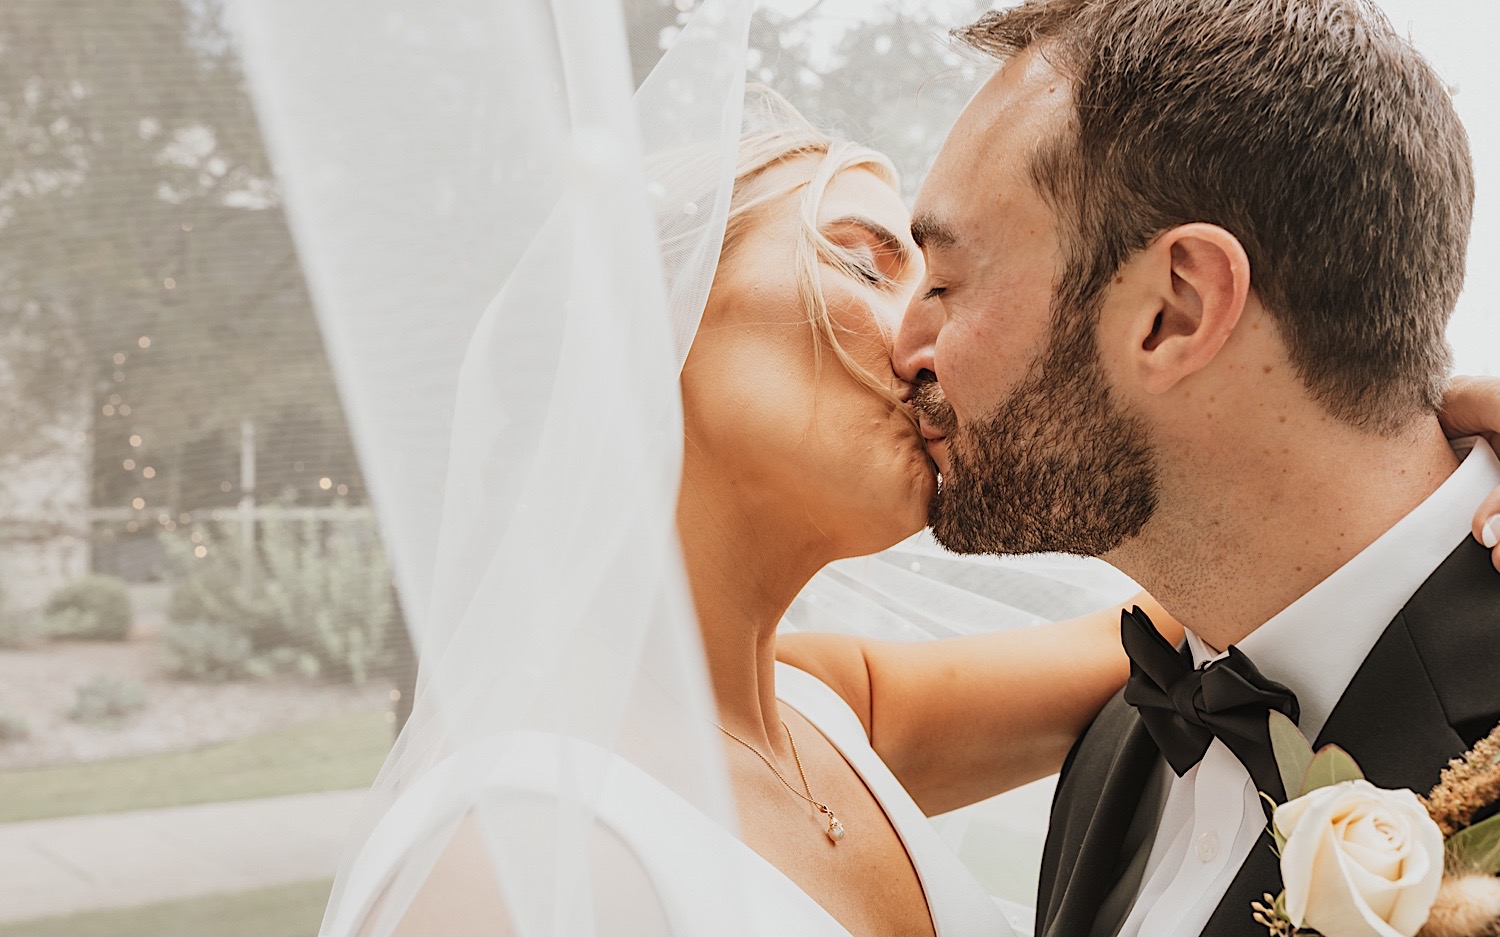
(835, 828)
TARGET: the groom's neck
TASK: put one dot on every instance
(1242, 533)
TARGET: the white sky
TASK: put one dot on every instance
(1458, 37)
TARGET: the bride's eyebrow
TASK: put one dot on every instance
(887, 240)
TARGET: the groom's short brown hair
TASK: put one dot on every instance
(1309, 129)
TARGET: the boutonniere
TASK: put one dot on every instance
(1362, 861)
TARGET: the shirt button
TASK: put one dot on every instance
(1208, 847)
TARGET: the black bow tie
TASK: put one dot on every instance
(1186, 709)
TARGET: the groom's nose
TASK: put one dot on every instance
(916, 340)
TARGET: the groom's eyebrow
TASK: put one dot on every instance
(929, 232)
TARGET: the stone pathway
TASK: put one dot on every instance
(117, 860)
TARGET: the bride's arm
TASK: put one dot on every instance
(962, 719)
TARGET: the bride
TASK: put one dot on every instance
(567, 767)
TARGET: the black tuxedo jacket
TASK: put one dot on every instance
(1429, 689)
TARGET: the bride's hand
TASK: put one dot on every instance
(1472, 407)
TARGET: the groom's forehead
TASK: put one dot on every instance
(985, 164)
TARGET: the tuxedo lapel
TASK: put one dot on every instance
(1397, 716)
(1423, 695)
(1097, 799)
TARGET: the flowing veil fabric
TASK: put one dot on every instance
(524, 452)
(509, 261)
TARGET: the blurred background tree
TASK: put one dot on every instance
(903, 108)
(148, 265)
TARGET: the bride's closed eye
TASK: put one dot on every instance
(869, 251)
(861, 263)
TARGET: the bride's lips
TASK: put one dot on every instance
(929, 432)
(935, 441)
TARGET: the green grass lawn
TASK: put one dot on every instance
(287, 911)
(325, 755)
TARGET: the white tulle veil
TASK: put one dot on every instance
(509, 258)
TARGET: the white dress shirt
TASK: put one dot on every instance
(1213, 816)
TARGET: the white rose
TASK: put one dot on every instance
(1359, 861)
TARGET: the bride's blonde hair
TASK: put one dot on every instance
(779, 135)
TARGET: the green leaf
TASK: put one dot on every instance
(1294, 754)
(1279, 840)
(1330, 766)
(1476, 848)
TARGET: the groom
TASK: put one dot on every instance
(1190, 263)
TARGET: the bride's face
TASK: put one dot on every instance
(780, 424)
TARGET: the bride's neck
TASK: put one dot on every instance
(744, 569)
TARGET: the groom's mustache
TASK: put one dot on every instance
(930, 404)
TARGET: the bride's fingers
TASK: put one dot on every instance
(1487, 525)
(1472, 407)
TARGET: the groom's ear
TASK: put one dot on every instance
(1196, 283)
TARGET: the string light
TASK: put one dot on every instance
(169, 283)
(144, 341)
(109, 410)
(148, 472)
(129, 464)
(224, 486)
(135, 441)
(132, 527)
(139, 504)
(200, 552)
(119, 357)
(343, 489)
(325, 483)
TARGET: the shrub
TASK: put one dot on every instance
(336, 587)
(22, 629)
(107, 700)
(322, 602)
(13, 727)
(18, 629)
(209, 651)
(94, 607)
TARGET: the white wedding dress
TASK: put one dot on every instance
(669, 837)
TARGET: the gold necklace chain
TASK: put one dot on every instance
(835, 827)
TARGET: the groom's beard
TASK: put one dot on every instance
(1058, 468)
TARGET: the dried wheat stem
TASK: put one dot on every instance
(1468, 785)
